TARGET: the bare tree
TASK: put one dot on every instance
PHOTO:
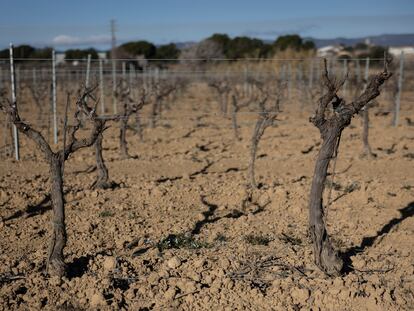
(223, 89)
(202, 52)
(139, 129)
(331, 126)
(365, 133)
(365, 128)
(266, 118)
(39, 92)
(102, 179)
(55, 262)
(239, 101)
(129, 107)
(312, 94)
(161, 89)
(359, 84)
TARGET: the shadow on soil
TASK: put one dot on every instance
(79, 266)
(208, 216)
(33, 210)
(406, 212)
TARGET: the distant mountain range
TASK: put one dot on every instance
(384, 40)
(184, 45)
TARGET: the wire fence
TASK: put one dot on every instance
(40, 85)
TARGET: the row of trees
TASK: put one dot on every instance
(132, 49)
(27, 51)
(215, 46)
(240, 47)
(226, 47)
(126, 50)
(362, 50)
(223, 47)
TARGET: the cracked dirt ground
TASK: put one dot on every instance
(178, 234)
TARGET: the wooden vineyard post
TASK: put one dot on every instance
(88, 71)
(14, 103)
(311, 65)
(101, 86)
(55, 131)
(114, 103)
(345, 72)
(398, 96)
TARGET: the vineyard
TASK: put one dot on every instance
(277, 184)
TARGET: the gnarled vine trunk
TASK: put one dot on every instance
(154, 111)
(325, 256)
(55, 261)
(365, 133)
(224, 102)
(331, 126)
(55, 264)
(266, 118)
(122, 137)
(257, 134)
(234, 122)
(102, 180)
(138, 125)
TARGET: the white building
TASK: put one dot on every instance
(396, 51)
(329, 50)
(60, 57)
(102, 55)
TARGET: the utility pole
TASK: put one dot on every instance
(113, 57)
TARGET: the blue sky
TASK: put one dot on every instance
(82, 23)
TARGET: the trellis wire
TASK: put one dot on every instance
(202, 59)
(181, 115)
(303, 76)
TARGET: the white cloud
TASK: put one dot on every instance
(65, 40)
(73, 40)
